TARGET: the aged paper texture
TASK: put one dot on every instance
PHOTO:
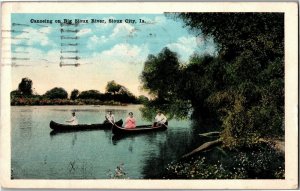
(181, 95)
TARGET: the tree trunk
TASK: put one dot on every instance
(213, 133)
(204, 147)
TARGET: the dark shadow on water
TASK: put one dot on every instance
(75, 133)
(149, 136)
(176, 145)
(56, 133)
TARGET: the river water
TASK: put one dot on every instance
(39, 154)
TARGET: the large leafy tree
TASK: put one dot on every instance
(242, 86)
(161, 77)
(119, 93)
(25, 87)
(74, 94)
(90, 94)
(249, 91)
(160, 73)
(56, 93)
(113, 87)
(236, 33)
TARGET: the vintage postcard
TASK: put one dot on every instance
(168, 95)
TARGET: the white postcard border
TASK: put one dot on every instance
(290, 9)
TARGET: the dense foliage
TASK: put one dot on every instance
(260, 162)
(242, 87)
(56, 93)
(143, 99)
(74, 94)
(248, 93)
(116, 94)
(113, 87)
(25, 87)
(161, 77)
(119, 93)
(90, 94)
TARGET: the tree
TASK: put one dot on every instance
(119, 93)
(248, 92)
(160, 73)
(236, 33)
(25, 87)
(74, 94)
(143, 99)
(56, 93)
(198, 80)
(15, 94)
(124, 96)
(242, 86)
(161, 76)
(90, 94)
(113, 87)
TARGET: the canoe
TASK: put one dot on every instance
(118, 130)
(65, 127)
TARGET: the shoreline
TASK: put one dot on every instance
(125, 104)
(57, 102)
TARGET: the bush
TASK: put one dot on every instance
(259, 162)
(74, 94)
(56, 93)
(90, 94)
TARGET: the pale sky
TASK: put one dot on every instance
(106, 51)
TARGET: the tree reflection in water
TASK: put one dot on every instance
(173, 147)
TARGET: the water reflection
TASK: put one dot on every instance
(174, 145)
(25, 123)
(150, 137)
(71, 131)
(76, 110)
(74, 139)
(90, 153)
(130, 147)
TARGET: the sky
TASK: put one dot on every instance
(105, 51)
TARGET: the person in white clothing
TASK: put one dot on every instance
(160, 118)
(110, 117)
(73, 120)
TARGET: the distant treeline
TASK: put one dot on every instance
(115, 94)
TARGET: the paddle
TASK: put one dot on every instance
(113, 123)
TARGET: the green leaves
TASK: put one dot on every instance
(74, 94)
(160, 73)
(25, 87)
(248, 93)
(242, 87)
(113, 87)
(261, 161)
(56, 93)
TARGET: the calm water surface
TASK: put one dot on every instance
(37, 154)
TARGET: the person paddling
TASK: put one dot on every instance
(109, 118)
(73, 120)
(160, 118)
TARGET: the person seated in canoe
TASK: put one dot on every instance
(109, 118)
(160, 118)
(73, 120)
(130, 122)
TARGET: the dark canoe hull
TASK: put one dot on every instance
(64, 127)
(118, 130)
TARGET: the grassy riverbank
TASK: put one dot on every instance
(262, 161)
